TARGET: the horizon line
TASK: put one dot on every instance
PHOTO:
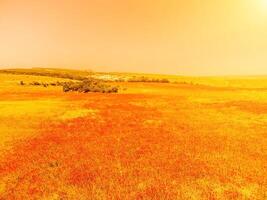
(138, 72)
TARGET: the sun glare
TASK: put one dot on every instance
(263, 8)
(264, 3)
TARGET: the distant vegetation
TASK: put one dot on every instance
(81, 81)
(85, 86)
(57, 73)
(45, 84)
(82, 75)
(146, 79)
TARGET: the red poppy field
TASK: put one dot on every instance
(152, 141)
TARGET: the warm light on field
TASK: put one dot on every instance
(194, 139)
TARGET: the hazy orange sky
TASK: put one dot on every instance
(190, 37)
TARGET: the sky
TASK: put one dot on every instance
(183, 37)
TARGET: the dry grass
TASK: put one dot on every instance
(152, 141)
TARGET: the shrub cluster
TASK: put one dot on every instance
(36, 83)
(146, 79)
(89, 86)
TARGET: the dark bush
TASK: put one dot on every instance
(66, 88)
(45, 84)
(35, 83)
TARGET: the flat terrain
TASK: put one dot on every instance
(205, 140)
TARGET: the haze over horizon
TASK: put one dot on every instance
(193, 37)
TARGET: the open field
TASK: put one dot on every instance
(203, 139)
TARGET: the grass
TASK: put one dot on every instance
(151, 141)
